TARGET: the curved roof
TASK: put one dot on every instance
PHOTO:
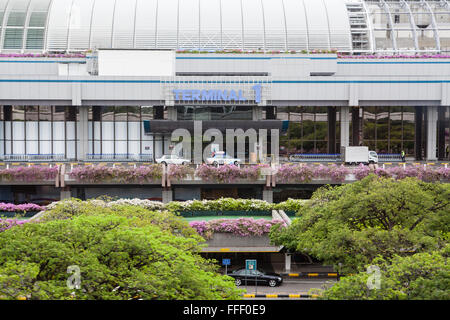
(344, 25)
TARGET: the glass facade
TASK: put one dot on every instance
(388, 129)
(119, 131)
(214, 113)
(308, 130)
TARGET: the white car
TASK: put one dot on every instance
(172, 159)
(222, 158)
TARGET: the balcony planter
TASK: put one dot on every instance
(227, 240)
(7, 214)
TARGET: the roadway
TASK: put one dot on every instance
(289, 287)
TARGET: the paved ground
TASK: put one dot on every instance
(291, 286)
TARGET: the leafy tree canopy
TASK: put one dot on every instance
(118, 258)
(350, 225)
(423, 276)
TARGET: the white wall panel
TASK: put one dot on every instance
(70, 127)
(102, 21)
(108, 130)
(253, 24)
(189, 25)
(32, 130)
(146, 24)
(58, 25)
(275, 25)
(340, 34)
(231, 24)
(18, 130)
(167, 28)
(45, 147)
(319, 35)
(80, 24)
(123, 28)
(297, 28)
(59, 147)
(210, 25)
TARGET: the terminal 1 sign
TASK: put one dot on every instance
(217, 95)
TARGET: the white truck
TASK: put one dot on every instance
(358, 155)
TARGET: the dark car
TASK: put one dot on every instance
(244, 277)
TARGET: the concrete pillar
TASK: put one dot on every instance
(355, 127)
(418, 132)
(441, 133)
(83, 133)
(345, 126)
(65, 193)
(432, 118)
(268, 195)
(287, 263)
(257, 112)
(332, 130)
(167, 195)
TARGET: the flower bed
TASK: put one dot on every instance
(426, 174)
(180, 172)
(243, 227)
(29, 174)
(6, 224)
(229, 173)
(42, 55)
(99, 174)
(27, 207)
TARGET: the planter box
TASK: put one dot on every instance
(14, 214)
(229, 240)
(212, 213)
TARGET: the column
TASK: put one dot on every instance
(287, 262)
(418, 129)
(432, 118)
(268, 195)
(257, 113)
(355, 126)
(167, 195)
(332, 130)
(65, 193)
(83, 133)
(345, 126)
(441, 132)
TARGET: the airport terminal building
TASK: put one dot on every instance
(81, 79)
(89, 81)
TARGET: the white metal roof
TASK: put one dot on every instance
(211, 25)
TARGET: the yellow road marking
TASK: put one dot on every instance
(271, 296)
(294, 275)
(249, 295)
(313, 274)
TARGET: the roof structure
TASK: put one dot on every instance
(347, 26)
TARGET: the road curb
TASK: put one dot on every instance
(311, 275)
(282, 296)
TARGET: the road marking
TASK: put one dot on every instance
(313, 274)
(271, 296)
(224, 249)
(249, 295)
(293, 275)
(332, 275)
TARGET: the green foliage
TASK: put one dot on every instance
(119, 258)
(423, 276)
(141, 216)
(349, 226)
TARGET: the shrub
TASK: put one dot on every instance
(243, 227)
(29, 174)
(95, 174)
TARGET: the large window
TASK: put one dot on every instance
(308, 130)
(118, 131)
(389, 129)
(43, 130)
(214, 113)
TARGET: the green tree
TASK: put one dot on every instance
(423, 276)
(118, 257)
(350, 225)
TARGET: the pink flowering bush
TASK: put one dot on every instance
(6, 224)
(96, 174)
(29, 174)
(228, 173)
(295, 173)
(27, 207)
(427, 174)
(243, 227)
(180, 172)
(397, 56)
(42, 55)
